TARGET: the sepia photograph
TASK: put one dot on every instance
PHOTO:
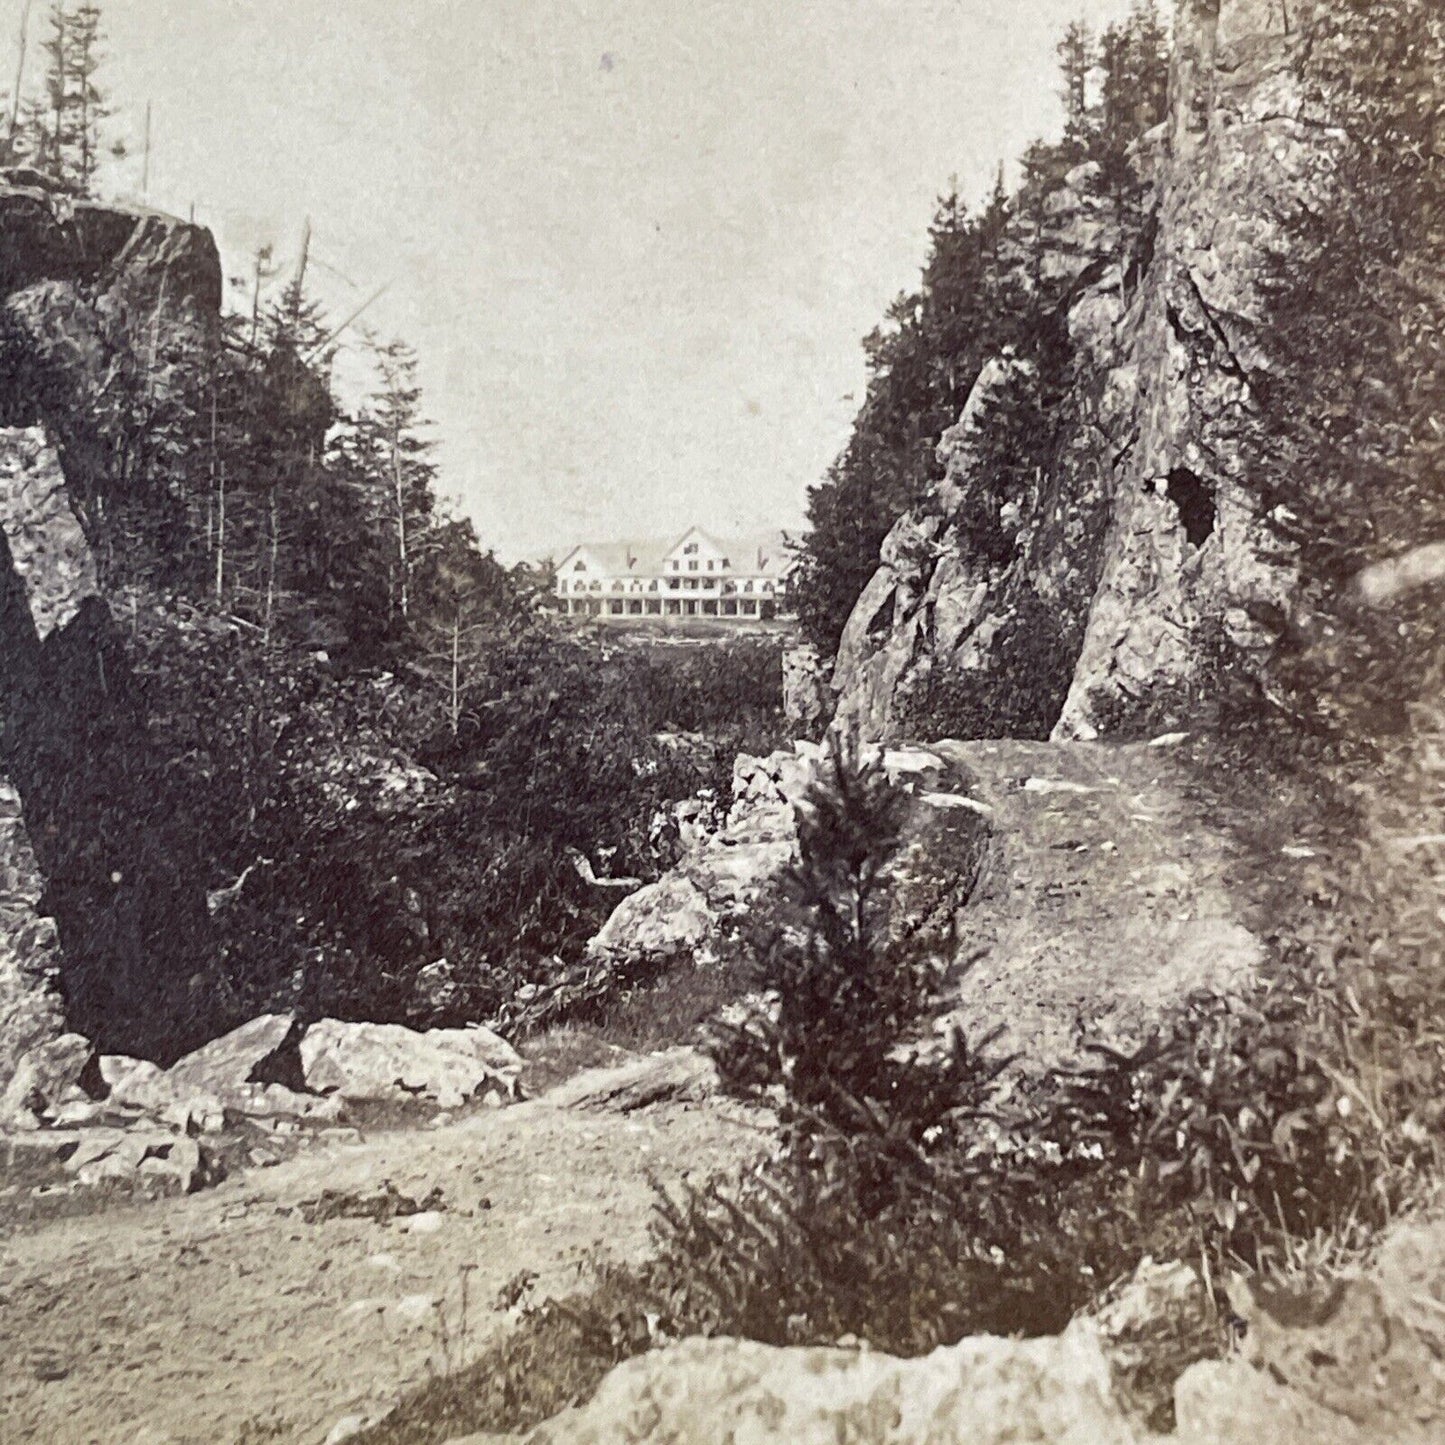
(722, 721)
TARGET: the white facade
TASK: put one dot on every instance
(699, 575)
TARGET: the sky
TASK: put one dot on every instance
(635, 242)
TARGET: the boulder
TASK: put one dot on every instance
(734, 877)
(47, 1076)
(983, 1391)
(360, 1061)
(671, 916)
(230, 1061)
(131, 1081)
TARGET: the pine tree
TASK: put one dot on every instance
(1076, 61)
(401, 453)
(64, 126)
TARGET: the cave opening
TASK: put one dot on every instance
(1193, 499)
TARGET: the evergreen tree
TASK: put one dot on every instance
(64, 125)
(394, 430)
(1076, 61)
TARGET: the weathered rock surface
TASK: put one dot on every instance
(356, 1061)
(79, 282)
(982, 1391)
(807, 695)
(1104, 899)
(48, 1073)
(1140, 540)
(31, 1010)
(1340, 1361)
(1350, 1360)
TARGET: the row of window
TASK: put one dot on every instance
(693, 566)
(692, 584)
(674, 607)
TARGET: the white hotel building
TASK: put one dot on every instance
(697, 576)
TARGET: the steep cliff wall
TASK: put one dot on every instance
(1138, 545)
(95, 912)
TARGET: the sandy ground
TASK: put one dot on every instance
(225, 1319)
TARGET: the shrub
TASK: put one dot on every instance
(836, 1053)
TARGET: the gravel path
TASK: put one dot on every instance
(225, 1317)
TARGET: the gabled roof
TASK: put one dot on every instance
(648, 558)
(618, 559)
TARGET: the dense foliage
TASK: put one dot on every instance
(390, 775)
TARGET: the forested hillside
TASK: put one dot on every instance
(989, 288)
(361, 737)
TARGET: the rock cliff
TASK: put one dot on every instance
(94, 907)
(1139, 543)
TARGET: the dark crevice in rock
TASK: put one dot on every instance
(1193, 499)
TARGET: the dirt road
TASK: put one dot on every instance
(225, 1319)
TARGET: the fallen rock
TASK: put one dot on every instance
(229, 1061)
(665, 918)
(128, 1080)
(674, 1074)
(983, 1391)
(47, 1076)
(359, 1061)
(201, 1114)
(45, 1142)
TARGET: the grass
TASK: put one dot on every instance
(556, 1356)
(668, 1009)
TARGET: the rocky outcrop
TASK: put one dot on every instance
(807, 699)
(1341, 1360)
(91, 297)
(982, 1391)
(1141, 541)
(31, 1009)
(1085, 889)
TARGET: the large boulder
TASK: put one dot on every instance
(80, 285)
(983, 1391)
(47, 1076)
(367, 1061)
(663, 919)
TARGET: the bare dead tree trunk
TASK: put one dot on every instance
(19, 74)
(456, 671)
(211, 490)
(270, 568)
(221, 536)
(400, 485)
(256, 299)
